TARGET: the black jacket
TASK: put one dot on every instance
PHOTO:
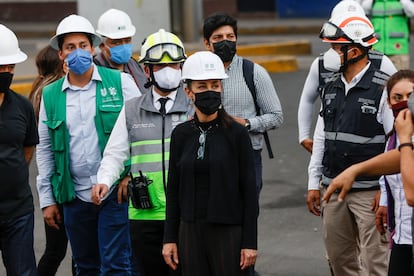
(232, 190)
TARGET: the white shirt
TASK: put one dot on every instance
(402, 211)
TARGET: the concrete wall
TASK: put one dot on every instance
(147, 16)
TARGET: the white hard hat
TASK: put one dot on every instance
(346, 6)
(115, 24)
(203, 65)
(74, 24)
(349, 28)
(9, 47)
(162, 47)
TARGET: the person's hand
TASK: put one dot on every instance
(123, 189)
(375, 201)
(307, 144)
(381, 219)
(314, 202)
(247, 258)
(343, 182)
(99, 191)
(52, 216)
(241, 121)
(170, 254)
(404, 126)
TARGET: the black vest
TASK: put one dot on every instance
(352, 132)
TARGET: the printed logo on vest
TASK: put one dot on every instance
(142, 125)
(112, 91)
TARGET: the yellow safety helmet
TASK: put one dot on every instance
(162, 47)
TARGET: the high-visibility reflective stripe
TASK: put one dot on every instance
(352, 138)
(146, 158)
(148, 167)
(149, 142)
(396, 35)
(149, 149)
(388, 12)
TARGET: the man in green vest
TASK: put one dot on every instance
(142, 135)
(391, 20)
(76, 117)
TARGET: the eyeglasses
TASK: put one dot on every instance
(202, 141)
(156, 53)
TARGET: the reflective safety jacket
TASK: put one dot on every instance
(352, 132)
(150, 149)
(391, 27)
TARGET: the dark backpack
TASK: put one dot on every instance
(248, 67)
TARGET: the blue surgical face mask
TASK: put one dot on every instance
(79, 61)
(121, 54)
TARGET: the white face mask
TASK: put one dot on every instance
(332, 60)
(168, 77)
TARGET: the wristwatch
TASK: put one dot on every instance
(247, 124)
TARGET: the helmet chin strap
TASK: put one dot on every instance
(347, 62)
(152, 81)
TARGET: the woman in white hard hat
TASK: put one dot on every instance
(18, 138)
(211, 221)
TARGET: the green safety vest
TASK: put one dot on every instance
(391, 27)
(109, 102)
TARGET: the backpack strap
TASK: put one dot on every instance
(248, 69)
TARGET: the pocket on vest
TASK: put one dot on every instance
(57, 130)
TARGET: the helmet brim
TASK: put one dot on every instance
(206, 77)
(13, 59)
(118, 35)
(53, 42)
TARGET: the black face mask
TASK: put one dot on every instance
(5, 81)
(208, 102)
(225, 49)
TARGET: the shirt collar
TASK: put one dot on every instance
(355, 79)
(156, 96)
(95, 77)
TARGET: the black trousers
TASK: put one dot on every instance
(400, 260)
(207, 249)
(55, 250)
(147, 241)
